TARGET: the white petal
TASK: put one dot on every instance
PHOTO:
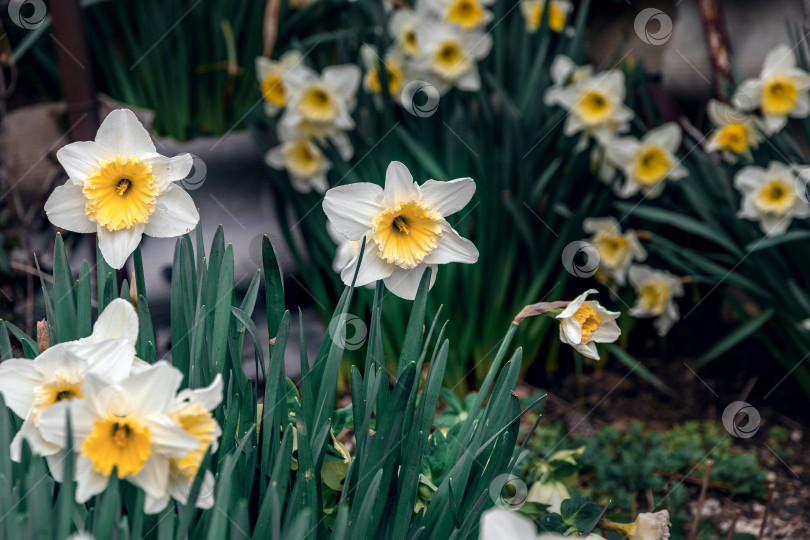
(607, 332)
(351, 208)
(118, 320)
(168, 438)
(111, 358)
(447, 198)
(154, 389)
(667, 136)
(208, 397)
(52, 424)
(175, 214)
(122, 134)
(155, 505)
(345, 79)
(372, 267)
(65, 208)
(749, 178)
(802, 108)
(639, 273)
(575, 304)
(780, 59)
(622, 151)
(501, 524)
(37, 444)
(570, 332)
(613, 83)
(399, 185)
(405, 283)
(275, 158)
(774, 123)
(452, 247)
(89, 481)
(18, 381)
(561, 68)
(607, 224)
(116, 246)
(470, 81)
(748, 96)
(56, 464)
(81, 158)
(169, 169)
(774, 225)
(588, 350)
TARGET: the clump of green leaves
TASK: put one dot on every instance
(281, 471)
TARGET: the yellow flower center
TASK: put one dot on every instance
(612, 248)
(120, 193)
(406, 233)
(393, 74)
(594, 107)
(198, 422)
(468, 14)
(779, 95)
(409, 43)
(652, 165)
(62, 387)
(318, 104)
(119, 443)
(653, 297)
(273, 90)
(776, 196)
(733, 137)
(588, 320)
(450, 60)
(303, 158)
(556, 16)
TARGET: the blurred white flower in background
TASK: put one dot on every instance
(448, 55)
(779, 92)
(617, 250)
(402, 27)
(271, 79)
(466, 14)
(404, 226)
(120, 188)
(648, 162)
(559, 11)
(396, 71)
(596, 106)
(770, 196)
(564, 72)
(736, 133)
(304, 162)
(656, 291)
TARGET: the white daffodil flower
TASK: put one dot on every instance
(404, 226)
(617, 250)
(319, 104)
(120, 188)
(500, 523)
(564, 72)
(191, 409)
(735, 133)
(30, 387)
(646, 163)
(448, 55)
(584, 323)
(647, 526)
(346, 249)
(466, 14)
(304, 161)
(532, 11)
(402, 27)
(656, 291)
(396, 71)
(596, 106)
(779, 92)
(771, 196)
(125, 426)
(270, 74)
